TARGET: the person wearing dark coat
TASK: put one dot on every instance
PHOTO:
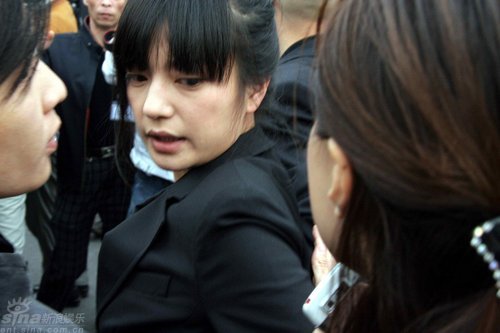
(221, 249)
(88, 180)
(291, 94)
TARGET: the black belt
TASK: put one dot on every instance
(101, 152)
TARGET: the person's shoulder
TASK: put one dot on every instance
(297, 71)
(256, 187)
(66, 36)
(246, 194)
(63, 42)
(249, 175)
(302, 51)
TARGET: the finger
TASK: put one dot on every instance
(322, 261)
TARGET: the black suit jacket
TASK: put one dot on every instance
(221, 250)
(292, 95)
(290, 117)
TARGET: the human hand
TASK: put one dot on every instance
(322, 261)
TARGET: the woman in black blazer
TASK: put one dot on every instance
(220, 250)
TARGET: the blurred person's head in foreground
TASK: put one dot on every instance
(29, 91)
(404, 162)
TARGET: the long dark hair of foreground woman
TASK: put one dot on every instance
(410, 91)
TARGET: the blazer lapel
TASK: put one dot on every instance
(137, 232)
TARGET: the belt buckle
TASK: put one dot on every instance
(107, 151)
(101, 153)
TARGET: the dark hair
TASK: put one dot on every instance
(23, 25)
(410, 90)
(204, 37)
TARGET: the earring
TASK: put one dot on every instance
(337, 211)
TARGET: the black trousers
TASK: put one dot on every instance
(102, 192)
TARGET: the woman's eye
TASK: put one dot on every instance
(133, 78)
(190, 82)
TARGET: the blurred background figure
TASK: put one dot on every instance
(81, 11)
(88, 182)
(291, 94)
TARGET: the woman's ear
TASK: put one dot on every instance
(255, 95)
(342, 179)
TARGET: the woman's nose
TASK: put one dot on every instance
(157, 103)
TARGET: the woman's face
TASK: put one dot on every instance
(28, 125)
(184, 120)
(320, 169)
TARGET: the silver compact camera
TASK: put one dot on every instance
(323, 299)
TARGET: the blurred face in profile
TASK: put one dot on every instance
(28, 128)
(330, 179)
(320, 166)
(104, 14)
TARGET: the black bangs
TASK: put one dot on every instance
(197, 34)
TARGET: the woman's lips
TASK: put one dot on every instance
(165, 143)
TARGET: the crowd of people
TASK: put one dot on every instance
(235, 150)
